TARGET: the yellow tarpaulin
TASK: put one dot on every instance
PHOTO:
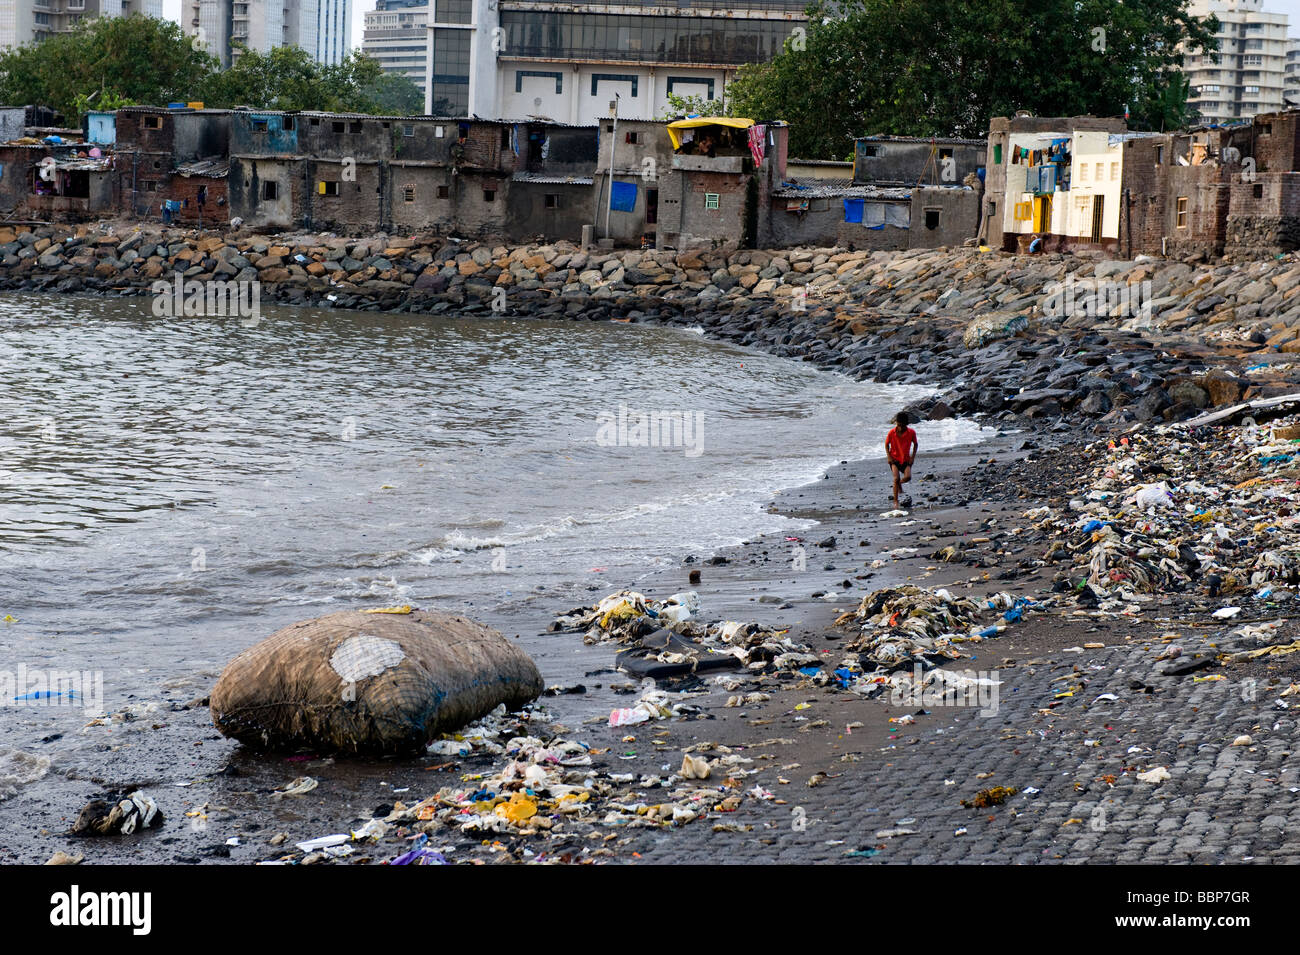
(731, 121)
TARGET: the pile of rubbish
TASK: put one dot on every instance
(546, 788)
(900, 626)
(1205, 511)
(669, 638)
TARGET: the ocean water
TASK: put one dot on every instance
(173, 490)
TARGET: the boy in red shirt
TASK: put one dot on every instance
(900, 448)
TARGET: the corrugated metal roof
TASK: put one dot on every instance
(552, 180)
(210, 168)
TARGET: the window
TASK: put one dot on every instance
(328, 188)
(439, 132)
(270, 190)
(505, 137)
(152, 122)
(1083, 172)
(1182, 212)
(1251, 89)
(354, 127)
(552, 200)
(1160, 155)
(338, 127)
(1114, 172)
(489, 195)
(148, 185)
(315, 120)
(259, 125)
(443, 192)
(932, 218)
(1023, 211)
(408, 129)
(288, 123)
(408, 193)
(945, 154)
(997, 154)
(632, 139)
(1258, 190)
(871, 149)
(711, 200)
(1099, 169)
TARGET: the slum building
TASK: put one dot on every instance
(1056, 178)
(905, 193)
(1177, 188)
(68, 182)
(641, 154)
(724, 171)
(1264, 197)
(551, 190)
(912, 160)
(172, 162)
(358, 173)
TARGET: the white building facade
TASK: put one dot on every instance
(321, 27)
(396, 35)
(1250, 75)
(566, 62)
(28, 21)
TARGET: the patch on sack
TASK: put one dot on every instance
(361, 656)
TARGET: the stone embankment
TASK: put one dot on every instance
(1056, 337)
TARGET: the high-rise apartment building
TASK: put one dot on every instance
(1250, 75)
(26, 21)
(396, 35)
(321, 27)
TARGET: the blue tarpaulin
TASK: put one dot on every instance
(853, 209)
(623, 196)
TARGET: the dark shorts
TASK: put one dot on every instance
(901, 465)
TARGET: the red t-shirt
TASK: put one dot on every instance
(899, 447)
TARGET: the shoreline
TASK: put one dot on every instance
(877, 777)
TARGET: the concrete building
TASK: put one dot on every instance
(360, 174)
(396, 34)
(567, 63)
(27, 21)
(720, 183)
(1060, 178)
(913, 160)
(321, 27)
(1177, 189)
(905, 192)
(1250, 75)
(176, 156)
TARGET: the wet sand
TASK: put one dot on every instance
(227, 795)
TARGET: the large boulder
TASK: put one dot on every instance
(369, 683)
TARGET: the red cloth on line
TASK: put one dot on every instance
(900, 446)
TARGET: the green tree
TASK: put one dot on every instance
(104, 62)
(945, 67)
(694, 106)
(394, 95)
(288, 78)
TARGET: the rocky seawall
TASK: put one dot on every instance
(1055, 337)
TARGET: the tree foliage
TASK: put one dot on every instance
(105, 61)
(109, 62)
(945, 67)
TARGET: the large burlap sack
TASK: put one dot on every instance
(369, 683)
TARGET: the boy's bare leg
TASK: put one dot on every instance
(898, 486)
